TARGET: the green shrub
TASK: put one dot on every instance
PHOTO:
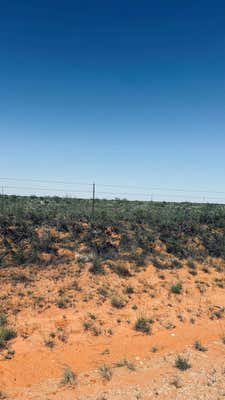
(6, 334)
(176, 288)
(142, 324)
(182, 363)
(187, 231)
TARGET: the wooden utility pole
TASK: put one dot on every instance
(93, 200)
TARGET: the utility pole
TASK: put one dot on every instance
(2, 198)
(93, 200)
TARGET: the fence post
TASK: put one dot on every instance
(93, 200)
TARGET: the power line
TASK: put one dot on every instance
(48, 189)
(148, 195)
(45, 181)
(116, 186)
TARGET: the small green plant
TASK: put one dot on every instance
(142, 324)
(182, 363)
(6, 334)
(125, 363)
(176, 288)
(68, 377)
(106, 372)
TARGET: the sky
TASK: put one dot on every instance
(127, 93)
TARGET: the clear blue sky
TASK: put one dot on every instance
(124, 92)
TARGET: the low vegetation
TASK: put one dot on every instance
(143, 325)
(182, 363)
(104, 276)
(118, 302)
(106, 372)
(3, 320)
(125, 363)
(6, 334)
(176, 288)
(33, 229)
(199, 346)
(68, 377)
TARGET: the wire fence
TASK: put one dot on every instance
(85, 190)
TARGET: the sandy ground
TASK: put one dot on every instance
(84, 332)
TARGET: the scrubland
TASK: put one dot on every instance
(124, 303)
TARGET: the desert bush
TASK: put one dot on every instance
(68, 377)
(118, 302)
(120, 270)
(44, 243)
(49, 343)
(176, 288)
(186, 230)
(182, 363)
(142, 324)
(198, 346)
(20, 277)
(19, 255)
(96, 267)
(124, 363)
(106, 372)
(6, 334)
